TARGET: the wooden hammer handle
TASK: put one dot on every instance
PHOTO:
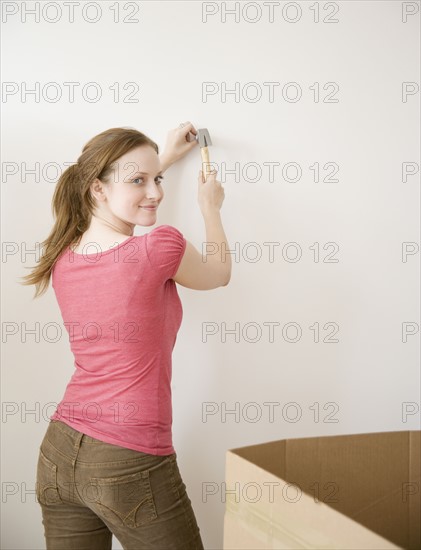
(205, 162)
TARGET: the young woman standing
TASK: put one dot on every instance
(107, 464)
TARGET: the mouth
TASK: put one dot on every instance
(152, 208)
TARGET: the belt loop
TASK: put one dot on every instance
(78, 440)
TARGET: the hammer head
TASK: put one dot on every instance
(203, 137)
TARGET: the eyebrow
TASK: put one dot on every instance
(146, 173)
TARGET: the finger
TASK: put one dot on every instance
(186, 126)
(208, 175)
(192, 129)
(211, 177)
(191, 140)
(186, 132)
(192, 143)
(189, 128)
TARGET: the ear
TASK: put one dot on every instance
(97, 190)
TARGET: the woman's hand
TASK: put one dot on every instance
(177, 144)
(211, 193)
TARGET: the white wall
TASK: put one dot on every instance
(349, 284)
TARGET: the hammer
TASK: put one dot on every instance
(204, 140)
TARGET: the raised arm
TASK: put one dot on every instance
(213, 268)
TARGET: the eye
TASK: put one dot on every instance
(158, 179)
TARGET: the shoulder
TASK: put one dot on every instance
(164, 230)
(164, 233)
(165, 246)
(165, 238)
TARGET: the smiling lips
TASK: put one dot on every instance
(149, 207)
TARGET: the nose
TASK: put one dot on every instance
(153, 192)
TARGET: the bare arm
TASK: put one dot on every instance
(213, 268)
(165, 162)
(217, 247)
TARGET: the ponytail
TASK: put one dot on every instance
(72, 202)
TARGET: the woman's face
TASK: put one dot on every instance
(134, 185)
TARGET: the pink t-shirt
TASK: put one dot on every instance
(122, 312)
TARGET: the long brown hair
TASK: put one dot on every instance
(72, 202)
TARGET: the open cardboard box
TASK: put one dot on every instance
(331, 492)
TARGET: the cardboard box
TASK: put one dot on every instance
(332, 492)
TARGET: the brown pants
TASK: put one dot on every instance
(89, 490)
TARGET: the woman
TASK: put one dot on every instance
(106, 463)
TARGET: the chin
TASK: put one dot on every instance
(147, 223)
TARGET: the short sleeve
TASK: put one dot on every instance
(165, 246)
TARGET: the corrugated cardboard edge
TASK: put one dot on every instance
(414, 475)
(285, 529)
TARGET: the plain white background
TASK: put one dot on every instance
(337, 291)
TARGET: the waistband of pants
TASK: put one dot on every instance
(73, 440)
(76, 435)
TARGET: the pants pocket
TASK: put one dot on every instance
(126, 499)
(46, 487)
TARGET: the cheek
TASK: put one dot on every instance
(136, 197)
